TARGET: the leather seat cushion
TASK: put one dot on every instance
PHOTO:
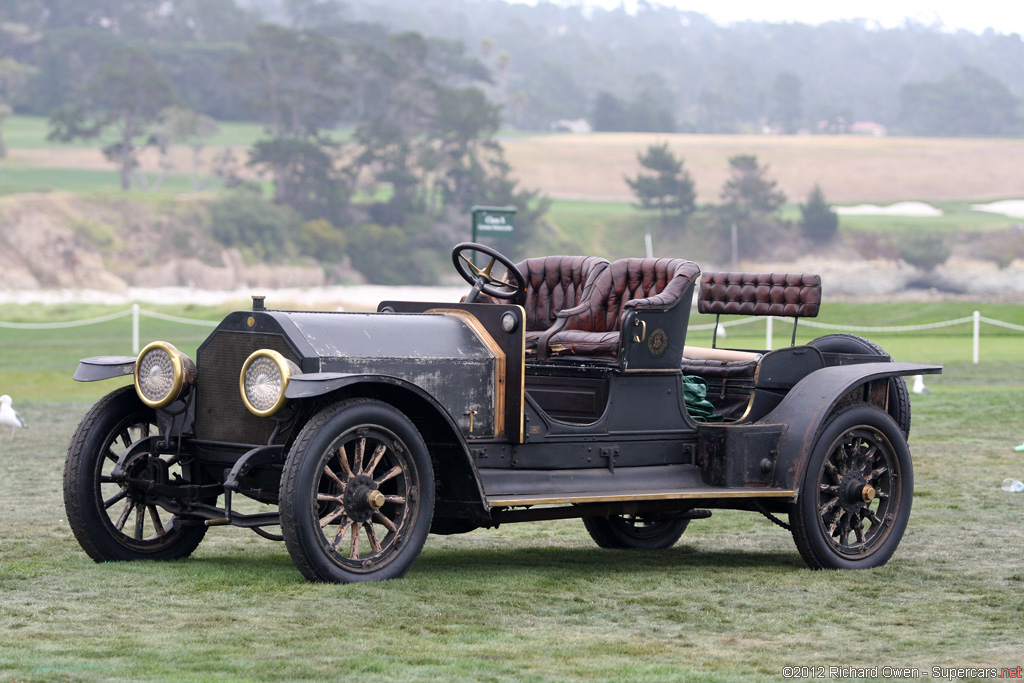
(720, 369)
(582, 343)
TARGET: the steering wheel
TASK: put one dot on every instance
(481, 278)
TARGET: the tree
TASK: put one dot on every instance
(965, 102)
(125, 97)
(749, 192)
(305, 177)
(186, 126)
(13, 76)
(819, 222)
(293, 79)
(787, 102)
(668, 189)
(750, 202)
(608, 114)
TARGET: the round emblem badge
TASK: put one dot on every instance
(657, 342)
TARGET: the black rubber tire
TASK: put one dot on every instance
(899, 397)
(305, 486)
(866, 450)
(635, 532)
(89, 457)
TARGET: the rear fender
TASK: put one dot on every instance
(806, 407)
(459, 492)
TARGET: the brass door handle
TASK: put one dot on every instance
(637, 338)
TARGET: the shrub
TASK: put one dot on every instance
(246, 220)
(387, 256)
(923, 250)
(322, 241)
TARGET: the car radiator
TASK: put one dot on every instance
(220, 413)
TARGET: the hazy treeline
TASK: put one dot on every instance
(555, 62)
(660, 69)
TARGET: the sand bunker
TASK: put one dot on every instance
(898, 209)
(1014, 208)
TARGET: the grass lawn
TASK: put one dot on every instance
(732, 601)
(14, 180)
(29, 132)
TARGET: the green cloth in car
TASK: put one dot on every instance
(695, 394)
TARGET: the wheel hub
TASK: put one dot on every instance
(148, 469)
(856, 492)
(362, 498)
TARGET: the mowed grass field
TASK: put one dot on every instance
(591, 167)
(732, 601)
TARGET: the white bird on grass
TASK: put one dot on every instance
(919, 387)
(9, 416)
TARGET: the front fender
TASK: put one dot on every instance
(104, 367)
(805, 408)
(459, 489)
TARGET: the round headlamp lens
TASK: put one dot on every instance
(264, 380)
(160, 374)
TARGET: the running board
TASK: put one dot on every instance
(705, 493)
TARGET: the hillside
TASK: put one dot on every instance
(64, 241)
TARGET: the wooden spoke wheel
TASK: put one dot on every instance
(856, 496)
(123, 518)
(357, 494)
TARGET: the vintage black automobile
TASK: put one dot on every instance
(554, 390)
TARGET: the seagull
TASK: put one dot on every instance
(919, 387)
(9, 416)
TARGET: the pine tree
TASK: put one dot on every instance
(669, 189)
(819, 222)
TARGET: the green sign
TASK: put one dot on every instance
(493, 221)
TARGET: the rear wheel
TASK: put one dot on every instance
(898, 398)
(854, 501)
(635, 532)
(357, 494)
(123, 519)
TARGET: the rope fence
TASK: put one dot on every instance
(976, 319)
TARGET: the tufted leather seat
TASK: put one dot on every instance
(553, 283)
(594, 327)
(778, 294)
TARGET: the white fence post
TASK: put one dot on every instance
(977, 334)
(135, 329)
(768, 333)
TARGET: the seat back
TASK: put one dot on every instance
(777, 294)
(555, 283)
(632, 281)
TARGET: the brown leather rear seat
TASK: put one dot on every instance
(776, 294)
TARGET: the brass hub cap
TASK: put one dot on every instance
(867, 493)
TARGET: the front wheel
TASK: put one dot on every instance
(855, 498)
(357, 494)
(635, 532)
(124, 519)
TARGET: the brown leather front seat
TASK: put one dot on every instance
(594, 327)
(553, 283)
